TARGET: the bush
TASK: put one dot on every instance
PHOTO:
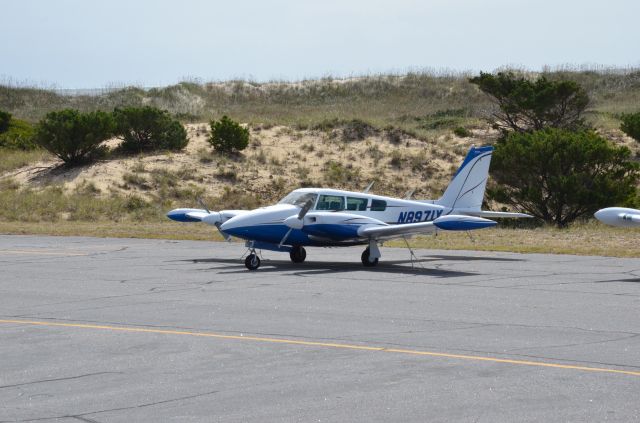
(559, 175)
(526, 105)
(631, 125)
(357, 130)
(228, 136)
(73, 136)
(148, 129)
(462, 132)
(18, 135)
(5, 118)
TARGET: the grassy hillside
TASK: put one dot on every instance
(417, 102)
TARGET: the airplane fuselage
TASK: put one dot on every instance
(332, 218)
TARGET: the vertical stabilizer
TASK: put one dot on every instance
(466, 190)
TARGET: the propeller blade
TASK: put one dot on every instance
(296, 222)
(203, 205)
(226, 237)
(305, 209)
(284, 238)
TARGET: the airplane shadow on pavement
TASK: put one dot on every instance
(418, 266)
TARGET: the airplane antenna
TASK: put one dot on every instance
(366, 190)
(473, 240)
(408, 194)
(413, 255)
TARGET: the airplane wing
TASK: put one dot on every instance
(447, 223)
(376, 231)
(491, 214)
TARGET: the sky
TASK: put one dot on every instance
(91, 44)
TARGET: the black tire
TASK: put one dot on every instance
(298, 254)
(365, 259)
(252, 262)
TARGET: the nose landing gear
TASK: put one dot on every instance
(252, 262)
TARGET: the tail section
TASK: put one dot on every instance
(466, 190)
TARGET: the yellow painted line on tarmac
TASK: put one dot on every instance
(327, 345)
(42, 252)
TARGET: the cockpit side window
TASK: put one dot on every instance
(378, 205)
(357, 204)
(299, 198)
(330, 202)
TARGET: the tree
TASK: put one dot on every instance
(73, 136)
(148, 129)
(228, 136)
(5, 119)
(631, 125)
(559, 175)
(525, 105)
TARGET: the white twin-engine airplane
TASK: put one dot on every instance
(619, 216)
(321, 217)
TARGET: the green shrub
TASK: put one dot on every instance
(396, 159)
(442, 119)
(75, 137)
(559, 175)
(462, 132)
(228, 136)
(357, 130)
(148, 129)
(335, 173)
(18, 136)
(631, 125)
(5, 118)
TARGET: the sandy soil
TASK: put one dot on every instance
(276, 156)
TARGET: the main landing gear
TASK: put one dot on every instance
(371, 255)
(298, 254)
(365, 259)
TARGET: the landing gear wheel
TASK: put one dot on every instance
(365, 259)
(298, 254)
(252, 261)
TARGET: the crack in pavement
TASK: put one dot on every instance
(577, 344)
(79, 416)
(59, 379)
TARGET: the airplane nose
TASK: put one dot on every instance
(228, 225)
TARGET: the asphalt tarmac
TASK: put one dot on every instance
(123, 330)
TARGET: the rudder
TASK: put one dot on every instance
(466, 190)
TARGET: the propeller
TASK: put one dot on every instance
(217, 224)
(296, 222)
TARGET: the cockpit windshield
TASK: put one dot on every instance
(299, 198)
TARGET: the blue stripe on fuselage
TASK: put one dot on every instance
(274, 233)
